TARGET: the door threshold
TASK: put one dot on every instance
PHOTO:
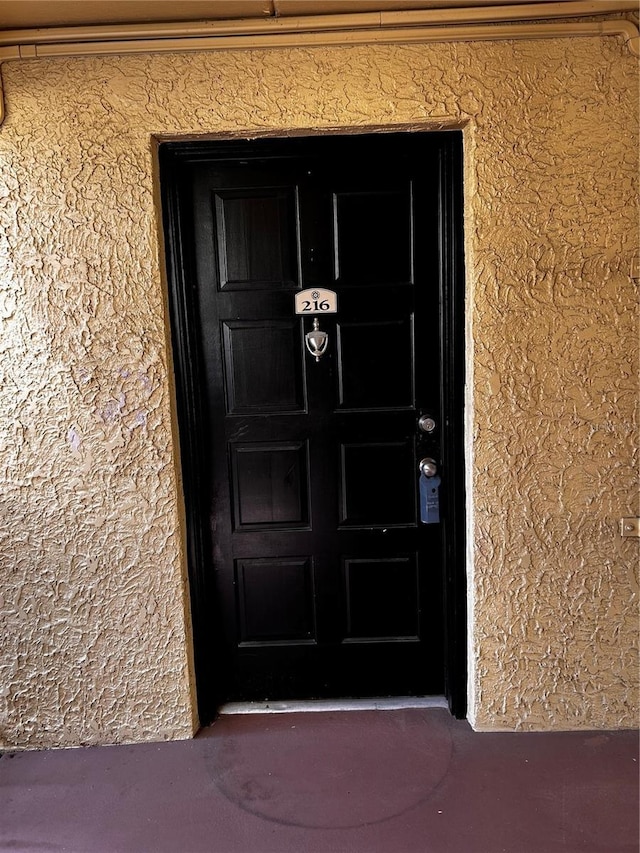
(395, 703)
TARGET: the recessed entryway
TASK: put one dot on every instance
(322, 440)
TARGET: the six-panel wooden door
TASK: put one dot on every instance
(326, 581)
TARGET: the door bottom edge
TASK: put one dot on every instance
(394, 703)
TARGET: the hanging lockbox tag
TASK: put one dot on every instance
(429, 499)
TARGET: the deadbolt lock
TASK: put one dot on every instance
(426, 424)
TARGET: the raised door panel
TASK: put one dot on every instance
(382, 597)
(257, 238)
(375, 364)
(275, 601)
(377, 484)
(270, 483)
(373, 236)
(263, 366)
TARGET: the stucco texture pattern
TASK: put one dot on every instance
(95, 626)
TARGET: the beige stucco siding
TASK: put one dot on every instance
(95, 634)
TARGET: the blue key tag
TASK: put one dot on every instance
(429, 499)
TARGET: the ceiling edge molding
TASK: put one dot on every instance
(319, 23)
(526, 21)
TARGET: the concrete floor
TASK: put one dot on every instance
(404, 781)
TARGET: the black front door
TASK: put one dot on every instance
(325, 579)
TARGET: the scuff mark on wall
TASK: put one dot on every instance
(74, 439)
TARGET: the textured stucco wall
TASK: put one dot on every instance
(95, 644)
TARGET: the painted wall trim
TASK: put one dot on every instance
(318, 23)
(404, 27)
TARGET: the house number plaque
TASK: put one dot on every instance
(315, 300)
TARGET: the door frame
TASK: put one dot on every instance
(179, 268)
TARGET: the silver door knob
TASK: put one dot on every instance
(428, 467)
